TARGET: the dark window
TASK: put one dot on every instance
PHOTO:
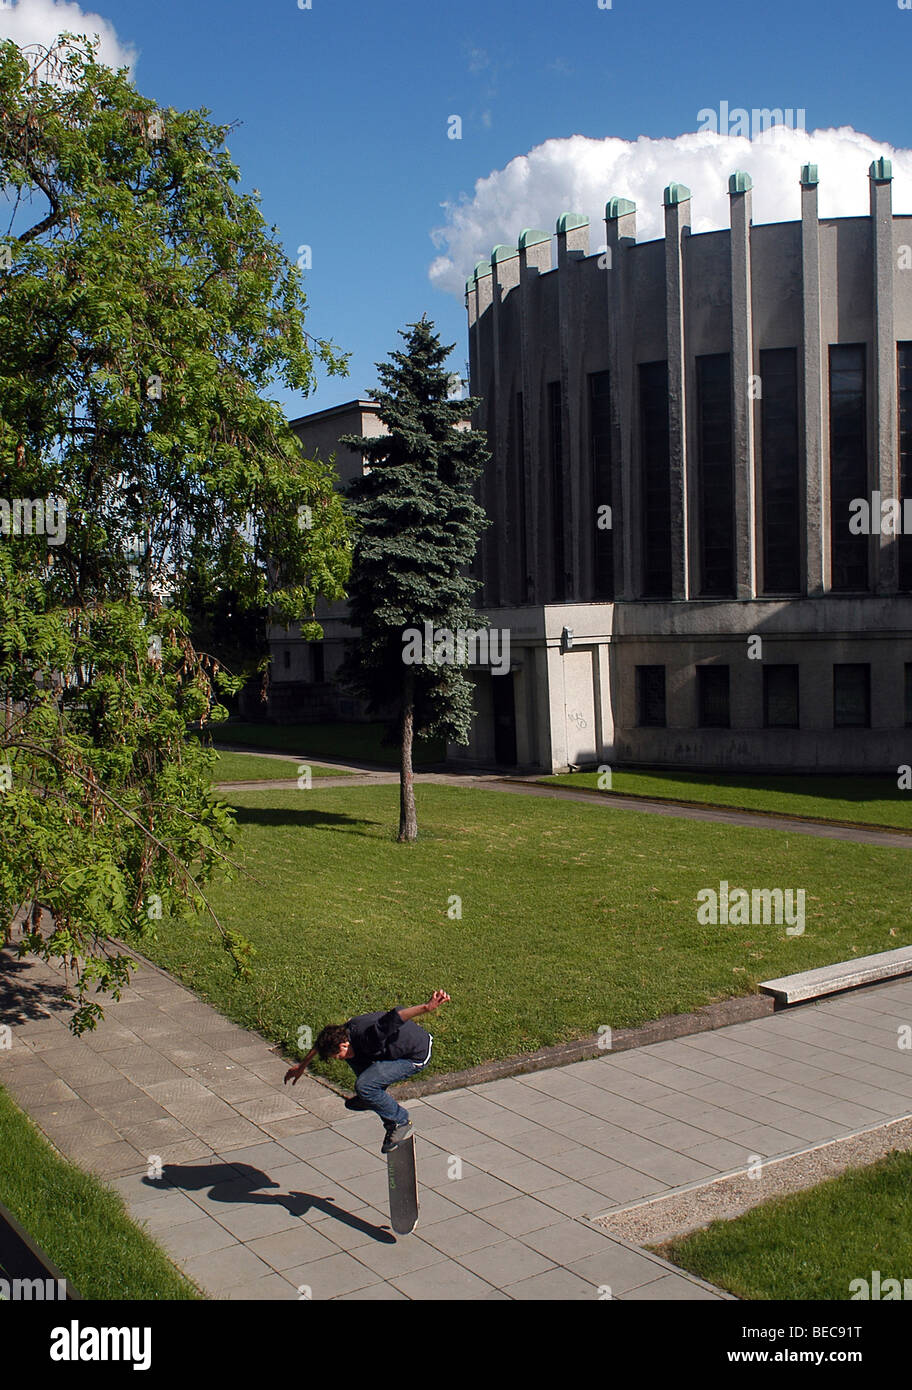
(286, 659)
(904, 367)
(852, 696)
(556, 452)
(318, 671)
(780, 471)
(519, 441)
(650, 697)
(848, 465)
(712, 695)
(780, 697)
(600, 460)
(908, 693)
(656, 472)
(714, 443)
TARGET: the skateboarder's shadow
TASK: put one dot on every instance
(238, 1182)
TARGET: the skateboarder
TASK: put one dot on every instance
(380, 1048)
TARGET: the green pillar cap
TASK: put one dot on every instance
(502, 253)
(881, 170)
(482, 268)
(618, 207)
(809, 175)
(470, 285)
(531, 236)
(739, 182)
(676, 193)
(568, 220)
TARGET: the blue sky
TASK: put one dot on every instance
(344, 109)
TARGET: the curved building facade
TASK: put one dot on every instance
(685, 436)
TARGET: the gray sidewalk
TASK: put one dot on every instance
(279, 1192)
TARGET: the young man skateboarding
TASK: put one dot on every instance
(380, 1048)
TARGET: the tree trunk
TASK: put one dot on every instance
(408, 820)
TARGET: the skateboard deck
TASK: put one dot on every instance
(403, 1187)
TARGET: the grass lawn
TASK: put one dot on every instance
(866, 800)
(80, 1225)
(813, 1244)
(357, 742)
(572, 917)
(248, 767)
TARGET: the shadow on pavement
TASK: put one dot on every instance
(240, 1182)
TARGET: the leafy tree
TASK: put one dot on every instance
(145, 311)
(418, 529)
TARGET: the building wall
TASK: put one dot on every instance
(731, 294)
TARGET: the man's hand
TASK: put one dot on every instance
(436, 999)
(293, 1073)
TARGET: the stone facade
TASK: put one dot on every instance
(719, 397)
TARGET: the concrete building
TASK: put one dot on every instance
(303, 684)
(679, 431)
(682, 434)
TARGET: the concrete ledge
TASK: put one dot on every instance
(866, 970)
(702, 1020)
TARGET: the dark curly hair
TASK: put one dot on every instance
(330, 1040)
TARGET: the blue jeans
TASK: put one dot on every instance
(372, 1083)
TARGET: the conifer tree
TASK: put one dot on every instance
(418, 526)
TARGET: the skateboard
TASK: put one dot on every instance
(403, 1187)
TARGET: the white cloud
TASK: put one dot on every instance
(579, 174)
(40, 21)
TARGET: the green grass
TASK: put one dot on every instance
(80, 1225)
(349, 742)
(863, 800)
(248, 767)
(571, 917)
(813, 1244)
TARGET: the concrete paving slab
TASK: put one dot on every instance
(507, 1262)
(555, 1285)
(332, 1276)
(444, 1282)
(461, 1234)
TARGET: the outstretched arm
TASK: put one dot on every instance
(294, 1073)
(436, 999)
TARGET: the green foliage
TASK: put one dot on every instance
(145, 309)
(418, 529)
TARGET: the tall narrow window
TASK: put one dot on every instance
(712, 697)
(780, 697)
(714, 436)
(780, 471)
(519, 438)
(848, 465)
(318, 662)
(656, 473)
(908, 693)
(904, 368)
(852, 696)
(556, 452)
(600, 463)
(650, 697)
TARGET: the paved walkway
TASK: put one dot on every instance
(274, 1192)
(610, 801)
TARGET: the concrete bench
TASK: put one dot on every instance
(847, 974)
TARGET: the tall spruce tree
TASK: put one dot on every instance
(418, 527)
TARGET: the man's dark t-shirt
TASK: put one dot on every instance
(383, 1037)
